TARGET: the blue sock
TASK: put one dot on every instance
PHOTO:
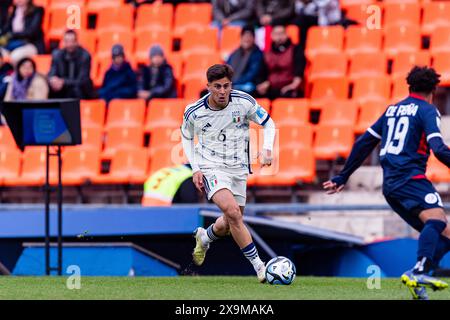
(211, 234)
(428, 242)
(251, 253)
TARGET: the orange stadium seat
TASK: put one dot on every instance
(127, 167)
(347, 3)
(401, 39)
(80, 166)
(440, 40)
(328, 65)
(296, 136)
(435, 14)
(290, 112)
(43, 63)
(294, 166)
(166, 157)
(192, 88)
(229, 41)
(175, 59)
(115, 19)
(66, 3)
(325, 91)
(399, 90)
(145, 39)
(153, 17)
(33, 168)
(196, 65)
(293, 33)
(404, 61)
(369, 113)
(358, 11)
(164, 113)
(402, 14)
(324, 40)
(363, 65)
(109, 38)
(372, 89)
(58, 23)
(95, 6)
(118, 138)
(125, 113)
(92, 139)
(7, 141)
(184, 14)
(436, 170)
(333, 141)
(341, 113)
(201, 41)
(10, 161)
(88, 40)
(359, 39)
(92, 113)
(164, 138)
(441, 63)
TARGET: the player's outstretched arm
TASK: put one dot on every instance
(360, 151)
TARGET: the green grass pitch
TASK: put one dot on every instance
(204, 287)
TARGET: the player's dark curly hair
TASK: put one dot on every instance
(219, 71)
(422, 79)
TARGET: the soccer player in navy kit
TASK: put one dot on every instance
(407, 131)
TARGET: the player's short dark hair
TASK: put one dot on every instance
(422, 79)
(72, 32)
(219, 71)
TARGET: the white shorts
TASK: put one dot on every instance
(234, 180)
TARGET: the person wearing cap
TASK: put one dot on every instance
(157, 79)
(120, 81)
(247, 61)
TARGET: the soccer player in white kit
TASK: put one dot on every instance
(221, 159)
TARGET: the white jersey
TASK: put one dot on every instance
(223, 135)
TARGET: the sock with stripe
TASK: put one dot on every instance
(251, 253)
(210, 235)
(428, 242)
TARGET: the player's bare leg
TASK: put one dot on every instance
(233, 216)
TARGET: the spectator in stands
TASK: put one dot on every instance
(4, 9)
(5, 71)
(69, 75)
(310, 13)
(22, 36)
(156, 80)
(284, 67)
(26, 83)
(274, 11)
(247, 62)
(232, 12)
(120, 81)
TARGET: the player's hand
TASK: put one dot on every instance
(331, 187)
(197, 178)
(266, 158)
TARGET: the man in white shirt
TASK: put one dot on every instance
(221, 162)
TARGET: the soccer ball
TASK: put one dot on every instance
(280, 270)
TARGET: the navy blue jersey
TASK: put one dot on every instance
(405, 129)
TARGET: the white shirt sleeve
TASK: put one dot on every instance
(269, 135)
(187, 139)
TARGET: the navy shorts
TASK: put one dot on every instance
(411, 199)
